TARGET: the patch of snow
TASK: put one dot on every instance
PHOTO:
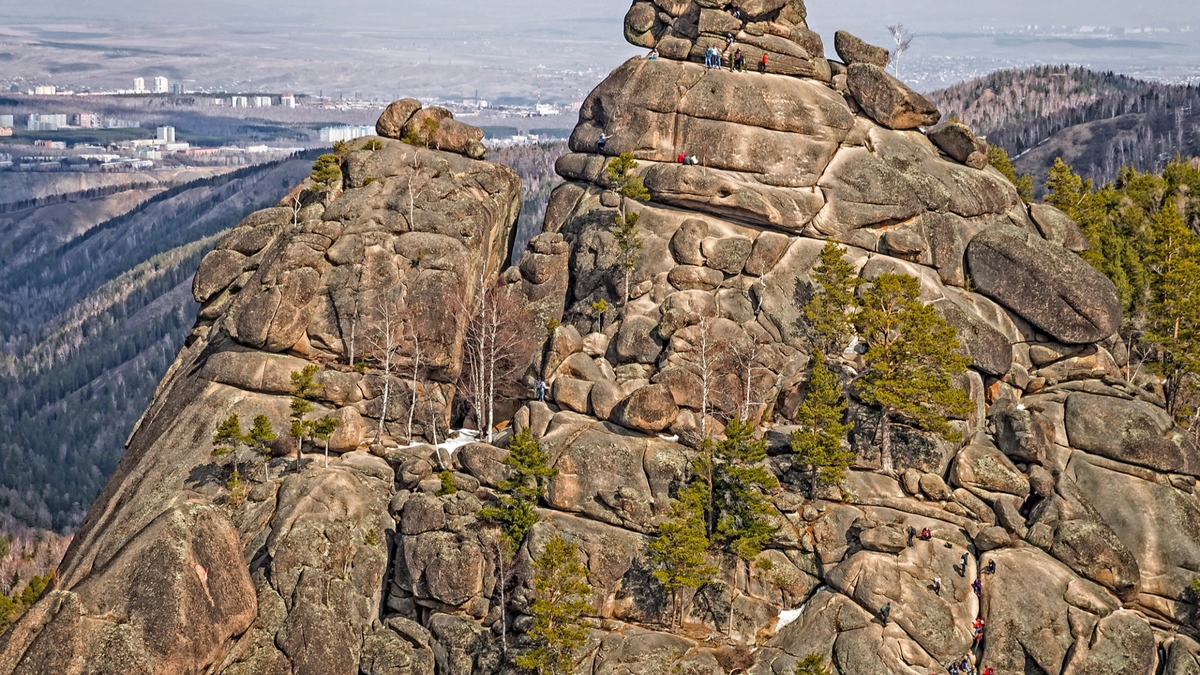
(1020, 406)
(464, 437)
(788, 616)
(673, 439)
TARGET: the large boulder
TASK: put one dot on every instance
(1058, 227)
(888, 100)
(1135, 432)
(650, 409)
(1045, 284)
(957, 140)
(852, 50)
(395, 116)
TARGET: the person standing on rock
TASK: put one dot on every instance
(937, 586)
(762, 65)
(600, 142)
(885, 612)
(962, 567)
(539, 390)
(912, 532)
(739, 60)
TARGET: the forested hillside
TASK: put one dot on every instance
(88, 326)
(92, 314)
(1098, 122)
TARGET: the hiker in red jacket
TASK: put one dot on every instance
(762, 65)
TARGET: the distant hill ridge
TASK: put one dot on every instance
(1098, 122)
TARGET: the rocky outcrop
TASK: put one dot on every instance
(1063, 514)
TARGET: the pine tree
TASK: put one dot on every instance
(625, 224)
(1000, 161)
(818, 442)
(227, 440)
(742, 526)
(681, 548)
(910, 363)
(322, 429)
(828, 311)
(1173, 328)
(529, 473)
(304, 391)
(560, 600)
(326, 173)
(813, 664)
(260, 437)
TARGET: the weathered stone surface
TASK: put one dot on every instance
(1057, 227)
(888, 100)
(854, 50)
(1047, 285)
(650, 409)
(395, 116)
(957, 140)
(217, 271)
(985, 470)
(1129, 431)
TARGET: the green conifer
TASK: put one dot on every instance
(1173, 327)
(680, 550)
(625, 224)
(529, 474)
(911, 362)
(813, 664)
(560, 600)
(818, 442)
(828, 311)
(260, 437)
(304, 391)
(228, 439)
(1000, 160)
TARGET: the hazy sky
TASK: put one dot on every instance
(435, 14)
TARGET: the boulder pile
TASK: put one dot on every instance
(1064, 519)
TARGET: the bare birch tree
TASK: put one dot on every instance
(416, 372)
(387, 341)
(498, 335)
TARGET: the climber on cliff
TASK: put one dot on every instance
(991, 567)
(977, 631)
(954, 669)
(653, 54)
(735, 10)
(600, 142)
(937, 586)
(912, 532)
(977, 586)
(962, 566)
(729, 39)
(539, 390)
(926, 535)
(885, 612)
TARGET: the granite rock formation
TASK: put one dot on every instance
(1070, 479)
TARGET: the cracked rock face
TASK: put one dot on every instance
(1065, 517)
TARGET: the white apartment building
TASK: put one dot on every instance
(166, 134)
(161, 85)
(6, 120)
(139, 85)
(261, 101)
(239, 102)
(39, 122)
(287, 101)
(45, 90)
(346, 133)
